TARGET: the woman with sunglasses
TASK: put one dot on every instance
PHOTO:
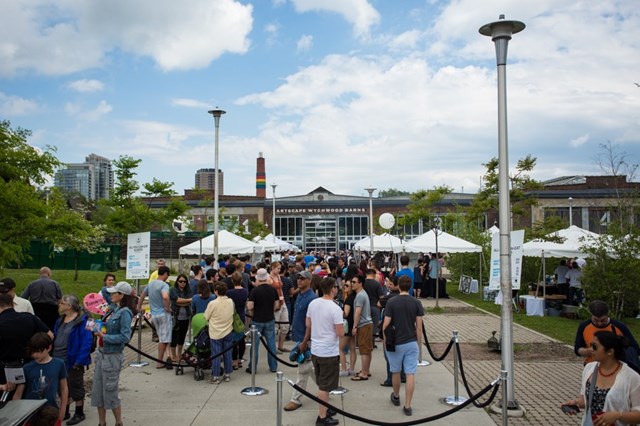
(615, 399)
(180, 296)
(348, 340)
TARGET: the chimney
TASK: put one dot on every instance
(261, 178)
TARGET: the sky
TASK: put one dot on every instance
(343, 94)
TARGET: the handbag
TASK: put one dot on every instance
(588, 420)
(238, 324)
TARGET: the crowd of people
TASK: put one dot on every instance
(339, 309)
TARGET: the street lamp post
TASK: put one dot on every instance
(437, 223)
(370, 191)
(570, 211)
(273, 216)
(500, 32)
(217, 113)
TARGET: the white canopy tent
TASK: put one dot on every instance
(447, 243)
(275, 243)
(228, 243)
(575, 239)
(384, 242)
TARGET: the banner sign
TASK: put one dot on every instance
(517, 250)
(138, 255)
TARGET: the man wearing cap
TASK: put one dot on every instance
(159, 307)
(263, 302)
(305, 297)
(19, 304)
(44, 294)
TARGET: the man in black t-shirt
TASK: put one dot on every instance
(374, 291)
(263, 301)
(404, 313)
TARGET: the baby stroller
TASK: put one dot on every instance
(198, 354)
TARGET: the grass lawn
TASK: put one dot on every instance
(560, 328)
(88, 281)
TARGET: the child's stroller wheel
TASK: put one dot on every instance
(179, 371)
(198, 374)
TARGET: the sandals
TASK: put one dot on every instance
(358, 378)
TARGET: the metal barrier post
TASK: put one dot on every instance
(505, 397)
(139, 362)
(279, 380)
(456, 399)
(253, 390)
(422, 362)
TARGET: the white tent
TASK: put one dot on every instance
(574, 239)
(384, 242)
(228, 243)
(447, 243)
(272, 242)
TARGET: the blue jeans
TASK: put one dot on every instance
(268, 330)
(217, 346)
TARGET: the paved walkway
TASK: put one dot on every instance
(153, 396)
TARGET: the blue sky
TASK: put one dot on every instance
(336, 93)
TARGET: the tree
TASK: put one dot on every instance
(521, 184)
(125, 212)
(392, 192)
(421, 205)
(68, 229)
(22, 168)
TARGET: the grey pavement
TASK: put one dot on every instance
(152, 396)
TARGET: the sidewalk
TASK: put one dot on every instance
(153, 396)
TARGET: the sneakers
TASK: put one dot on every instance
(344, 373)
(331, 412)
(395, 400)
(292, 406)
(214, 380)
(77, 418)
(326, 421)
(226, 378)
(407, 411)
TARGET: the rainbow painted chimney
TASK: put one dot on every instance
(261, 178)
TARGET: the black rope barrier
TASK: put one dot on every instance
(466, 384)
(436, 358)
(494, 385)
(266, 345)
(277, 322)
(199, 363)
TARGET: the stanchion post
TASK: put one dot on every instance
(421, 362)
(456, 399)
(255, 341)
(279, 380)
(139, 362)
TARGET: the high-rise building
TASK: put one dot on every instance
(205, 179)
(93, 179)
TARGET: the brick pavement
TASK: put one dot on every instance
(539, 386)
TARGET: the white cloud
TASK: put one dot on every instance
(359, 13)
(65, 37)
(78, 111)
(579, 141)
(272, 30)
(304, 43)
(12, 106)
(86, 86)
(190, 103)
(406, 40)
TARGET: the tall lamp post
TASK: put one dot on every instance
(273, 216)
(437, 223)
(370, 191)
(570, 211)
(217, 113)
(500, 32)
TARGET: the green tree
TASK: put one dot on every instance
(126, 212)
(421, 205)
(521, 183)
(392, 192)
(68, 229)
(22, 169)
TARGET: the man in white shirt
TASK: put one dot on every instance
(325, 326)
(19, 304)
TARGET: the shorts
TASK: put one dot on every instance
(282, 320)
(164, 327)
(76, 383)
(104, 392)
(327, 371)
(404, 358)
(365, 339)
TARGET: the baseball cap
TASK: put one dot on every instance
(304, 274)
(262, 275)
(122, 287)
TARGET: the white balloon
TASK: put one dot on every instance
(386, 220)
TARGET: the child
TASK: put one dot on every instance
(45, 377)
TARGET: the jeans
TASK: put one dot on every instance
(268, 330)
(217, 346)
